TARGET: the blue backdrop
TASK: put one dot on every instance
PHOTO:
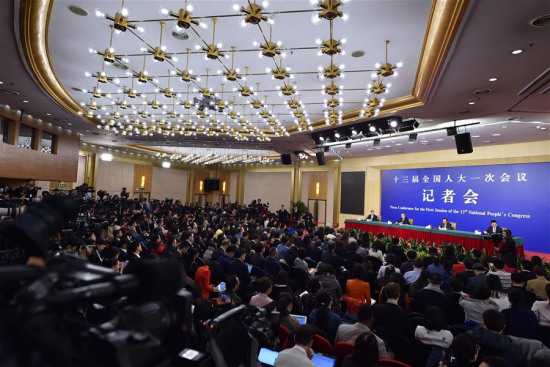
(517, 196)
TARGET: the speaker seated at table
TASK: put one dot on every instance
(404, 220)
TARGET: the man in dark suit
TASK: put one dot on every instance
(389, 314)
(392, 324)
(283, 215)
(431, 295)
(456, 312)
(397, 250)
(239, 268)
(495, 232)
(463, 276)
(96, 257)
(271, 264)
(295, 214)
(258, 259)
(227, 258)
(372, 216)
(445, 224)
(478, 278)
(403, 219)
(518, 282)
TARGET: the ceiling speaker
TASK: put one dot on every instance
(463, 143)
(320, 158)
(286, 159)
(451, 131)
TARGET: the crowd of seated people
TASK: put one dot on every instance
(389, 303)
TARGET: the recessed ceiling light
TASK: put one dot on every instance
(25, 101)
(1, 82)
(505, 127)
(438, 139)
(495, 134)
(517, 52)
(487, 142)
(493, 79)
(48, 114)
(471, 103)
(78, 10)
(358, 53)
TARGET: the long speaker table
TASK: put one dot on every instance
(468, 240)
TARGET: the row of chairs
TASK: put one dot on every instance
(340, 351)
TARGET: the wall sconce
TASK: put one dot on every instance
(142, 181)
(223, 187)
(317, 188)
(201, 183)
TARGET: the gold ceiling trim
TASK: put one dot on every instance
(443, 23)
(33, 28)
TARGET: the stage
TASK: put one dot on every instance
(468, 240)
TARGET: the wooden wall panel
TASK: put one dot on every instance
(143, 178)
(225, 177)
(317, 178)
(21, 163)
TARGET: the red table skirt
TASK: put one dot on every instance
(438, 237)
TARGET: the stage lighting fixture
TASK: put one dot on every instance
(393, 123)
(372, 128)
(412, 137)
(336, 134)
(301, 154)
(409, 125)
(354, 131)
(451, 131)
(348, 145)
(376, 142)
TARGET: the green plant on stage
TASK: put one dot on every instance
(484, 257)
(519, 262)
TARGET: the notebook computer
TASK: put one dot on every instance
(301, 319)
(320, 360)
(267, 357)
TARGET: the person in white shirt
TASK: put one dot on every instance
(348, 333)
(498, 295)
(432, 333)
(300, 355)
(542, 309)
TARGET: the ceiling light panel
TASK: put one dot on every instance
(148, 99)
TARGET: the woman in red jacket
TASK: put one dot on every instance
(357, 290)
(202, 278)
